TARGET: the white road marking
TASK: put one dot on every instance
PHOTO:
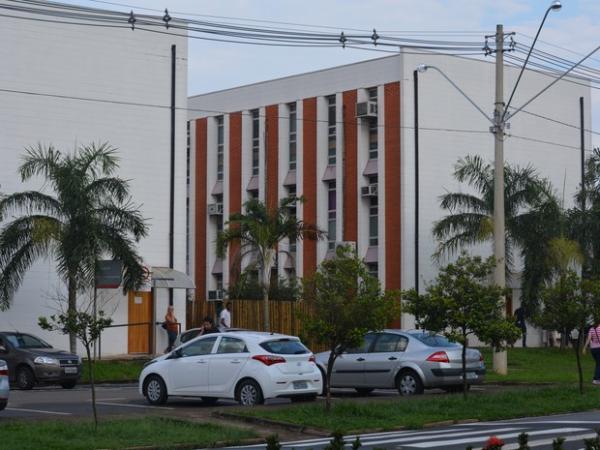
(40, 411)
(448, 442)
(539, 422)
(367, 440)
(110, 399)
(547, 442)
(127, 405)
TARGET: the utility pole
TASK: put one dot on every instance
(500, 360)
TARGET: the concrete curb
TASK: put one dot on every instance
(274, 423)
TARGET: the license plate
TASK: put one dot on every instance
(300, 384)
(70, 369)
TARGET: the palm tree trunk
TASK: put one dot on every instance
(267, 265)
(72, 309)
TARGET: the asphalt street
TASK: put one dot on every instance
(541, 430)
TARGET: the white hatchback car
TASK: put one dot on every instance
(4, 387)
(246, 366)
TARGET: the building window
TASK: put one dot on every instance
(219, 281)
(373, 217)
(292, 212)
(219, 218)
(292, 136)
(255, 141)
(331, 215)
(331, 130)
(220, 145)
(373, 127)
(373, 269)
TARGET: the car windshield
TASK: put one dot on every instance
(434, 340)
(285, 347)
(26, 341)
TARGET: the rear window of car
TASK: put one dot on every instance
(26, 341)
(285, 347)
(434, 340)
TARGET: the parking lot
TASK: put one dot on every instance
(51, 402)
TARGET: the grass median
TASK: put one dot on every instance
(153, 432)
(347, 415)
(108, 371)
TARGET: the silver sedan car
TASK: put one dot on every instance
(4, 388)
(409, 361)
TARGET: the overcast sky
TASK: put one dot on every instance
(213, 66)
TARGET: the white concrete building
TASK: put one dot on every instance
(68, 85)
(307, 139)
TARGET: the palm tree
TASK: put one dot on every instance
(258, 231)
(88, 215)
(531, 214)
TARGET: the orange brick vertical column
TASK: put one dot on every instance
(309, 180)
(350, 182)
(200, 238)
(235, 185)
(393, 243)
(272, 155)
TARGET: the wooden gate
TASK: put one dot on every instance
(139, 311)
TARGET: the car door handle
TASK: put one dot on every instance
(235, 361)
(202, 361)
(360, 359)
(392, 358)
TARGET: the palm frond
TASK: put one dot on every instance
(40, 161)
(108, 189)
(30, 202)
(95, 160)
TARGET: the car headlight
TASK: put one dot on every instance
(46, 361)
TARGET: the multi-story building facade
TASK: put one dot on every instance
(343, 138)
(68, 85)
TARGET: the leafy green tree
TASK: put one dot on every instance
(568, 304)
(531, 213)
(87, 215)
(461, 303)
(346, 303)
(87, 328)
(258, 231)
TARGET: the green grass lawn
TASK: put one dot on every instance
(107, 371)
(540, 365)
(117, 434)
(347, 415)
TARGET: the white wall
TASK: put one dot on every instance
(110, 65)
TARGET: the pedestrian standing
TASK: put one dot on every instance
(225, 317)
(593, 341)
(520, 323)
(172, 327)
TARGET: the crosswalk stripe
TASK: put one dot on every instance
(448, 442)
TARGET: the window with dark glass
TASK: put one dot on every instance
(255, 141)
(331, 214)
(373, 126)
(292, 212)
(331, 130)
(373, 217)
(220, 145)
(292, 136)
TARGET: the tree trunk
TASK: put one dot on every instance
(577, 348)
(93, 385)
(267, 265)
(464, 365)
(71, 309)
(327, 380)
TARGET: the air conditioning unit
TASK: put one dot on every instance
(215, 295)
(369, 191)
(215, 209)
(350, 244)
(366, 110)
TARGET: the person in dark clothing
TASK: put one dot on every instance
(208, 326)
(520, 323)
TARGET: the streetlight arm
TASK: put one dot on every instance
(512, 94)
(425, 67)
(554, 82)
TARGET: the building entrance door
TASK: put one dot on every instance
(139, 311)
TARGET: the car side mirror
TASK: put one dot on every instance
(3, 349)
(176, 354)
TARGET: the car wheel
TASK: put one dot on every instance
(155, 390)
(409, 383)
(364, 391)
(25, 378)
(68, 384)
(249, 393)
(209, 400)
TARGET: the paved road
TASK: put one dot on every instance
(541, 430)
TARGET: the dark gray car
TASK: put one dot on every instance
(409, 361)
(31, 361)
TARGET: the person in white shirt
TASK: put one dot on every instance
(225, 317)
